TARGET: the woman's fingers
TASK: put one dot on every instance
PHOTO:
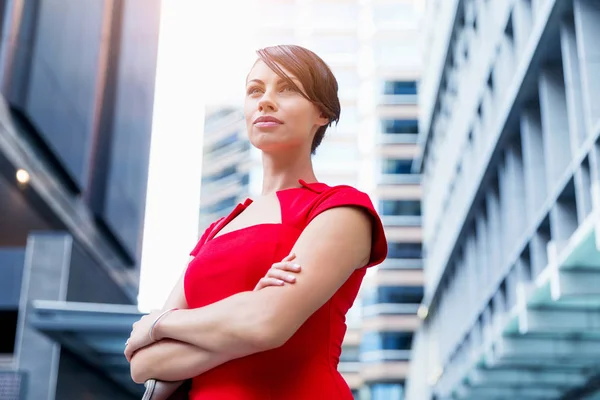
(266, 282)
(280, 273)
(286, 266)
(289, 257)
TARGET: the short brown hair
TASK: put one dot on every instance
(320, 85)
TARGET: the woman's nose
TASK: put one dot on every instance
(267, 103)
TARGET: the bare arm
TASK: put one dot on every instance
(170, 360)
(332, 246)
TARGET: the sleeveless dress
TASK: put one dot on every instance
(305, 367)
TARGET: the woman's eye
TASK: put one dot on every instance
(252, 90)
(288, 89)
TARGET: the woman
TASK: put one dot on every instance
(284, 340)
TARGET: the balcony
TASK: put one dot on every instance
(399, 179)
(401, 264)
(547, 345)
(378, 356)
(389, 309)
(388, 371)
(401, 220)
(398, 99)
(392, 322)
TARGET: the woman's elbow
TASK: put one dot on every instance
(139, 369)
(269, 334)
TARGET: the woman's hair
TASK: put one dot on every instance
(320, 85)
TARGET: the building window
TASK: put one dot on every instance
(400, 126)
(386, 391)
(349, 354)
(227, 140)
(400, 294)
(224, 173)
(404, 250)
(393, 295)
(222, 206)
(375, 341)
(400, 87)
(400, 207)
(389, 166)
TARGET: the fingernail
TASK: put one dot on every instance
(291, 277)
(280, 282)
(296, 266)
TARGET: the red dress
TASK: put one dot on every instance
(305, 367)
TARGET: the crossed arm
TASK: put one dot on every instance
(191, 342)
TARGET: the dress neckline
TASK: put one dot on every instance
(316, 187)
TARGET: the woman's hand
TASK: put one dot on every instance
(140, 334)
(280, 273)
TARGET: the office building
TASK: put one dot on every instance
(77, 93)
(509, 130)
(225, 165)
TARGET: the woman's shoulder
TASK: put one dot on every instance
(301, 207)
(327, 197)
(324, 194)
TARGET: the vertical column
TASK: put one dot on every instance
(587, 27)
(583, 190)
(522, 21)
(573, 88)
(516, 213)
(45, 277)
(494, 233)
(555, 123)
(483, 256)
(533, 161)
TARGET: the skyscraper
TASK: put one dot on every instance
(509, 139)
(77, 84)
(225, 165)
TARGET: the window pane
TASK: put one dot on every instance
(400, 207)
(404, 250)
(374, 341)
(396, 166)
(400, 294)
(400, 87)
(387, 391)
(400, 126)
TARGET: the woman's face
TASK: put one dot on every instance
(278, 117)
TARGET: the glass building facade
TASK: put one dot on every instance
(226, 165)
(77, 94)
(509, 135)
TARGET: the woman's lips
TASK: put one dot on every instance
(267, 124)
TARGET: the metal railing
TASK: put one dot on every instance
(399, 179)
(397, 138)
(397, 99)
(402, 263)
(401, 220)
(390, 309)
(385, 355)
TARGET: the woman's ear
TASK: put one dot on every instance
(323, 120)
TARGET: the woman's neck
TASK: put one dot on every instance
(284, 172)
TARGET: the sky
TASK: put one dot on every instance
(200, 60)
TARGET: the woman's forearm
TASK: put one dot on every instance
(237, 326)
(170, 360)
